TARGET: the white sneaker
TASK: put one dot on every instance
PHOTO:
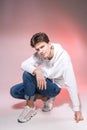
(27, 114)
(48, 105)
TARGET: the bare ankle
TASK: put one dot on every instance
(30, 103)
(43, 98)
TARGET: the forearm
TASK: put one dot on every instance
(30, 64)
(75, 99)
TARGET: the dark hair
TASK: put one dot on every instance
(39, 37)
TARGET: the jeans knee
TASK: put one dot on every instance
(26, 75)
(12, 92)
(57, 90)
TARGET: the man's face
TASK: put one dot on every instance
(43, 49)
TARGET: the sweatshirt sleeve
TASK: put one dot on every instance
(30, 64)
(70, 82)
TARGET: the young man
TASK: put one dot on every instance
(45, 72)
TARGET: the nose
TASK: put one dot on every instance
(40, 51)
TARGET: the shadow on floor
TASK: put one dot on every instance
(60, 99)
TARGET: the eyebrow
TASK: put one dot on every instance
(39, 47)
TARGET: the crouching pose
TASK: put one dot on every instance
(44, 74)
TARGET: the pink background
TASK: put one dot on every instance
(65, 22)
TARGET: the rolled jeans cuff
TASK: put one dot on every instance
(30, 97)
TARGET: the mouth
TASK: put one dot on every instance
(43, 54)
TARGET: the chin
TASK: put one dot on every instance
(45, 57)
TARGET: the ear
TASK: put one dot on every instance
(49, 42)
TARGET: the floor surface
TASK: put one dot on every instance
(61, 117)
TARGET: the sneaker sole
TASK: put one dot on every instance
(47, 110)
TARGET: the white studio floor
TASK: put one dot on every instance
(65, 22)
(61, 117)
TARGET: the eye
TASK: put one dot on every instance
(37, 49)
(42, 46)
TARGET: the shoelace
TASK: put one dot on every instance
(25, 112)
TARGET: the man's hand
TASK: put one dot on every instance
(41, 83)
(78, 116)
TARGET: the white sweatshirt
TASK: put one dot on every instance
(59, 69)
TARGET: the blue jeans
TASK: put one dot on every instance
(28, 88)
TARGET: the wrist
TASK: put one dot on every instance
(36, 71)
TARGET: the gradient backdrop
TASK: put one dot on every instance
(65, 22)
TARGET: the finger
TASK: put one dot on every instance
(45, 85)
(40, 84)
(78, 118)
